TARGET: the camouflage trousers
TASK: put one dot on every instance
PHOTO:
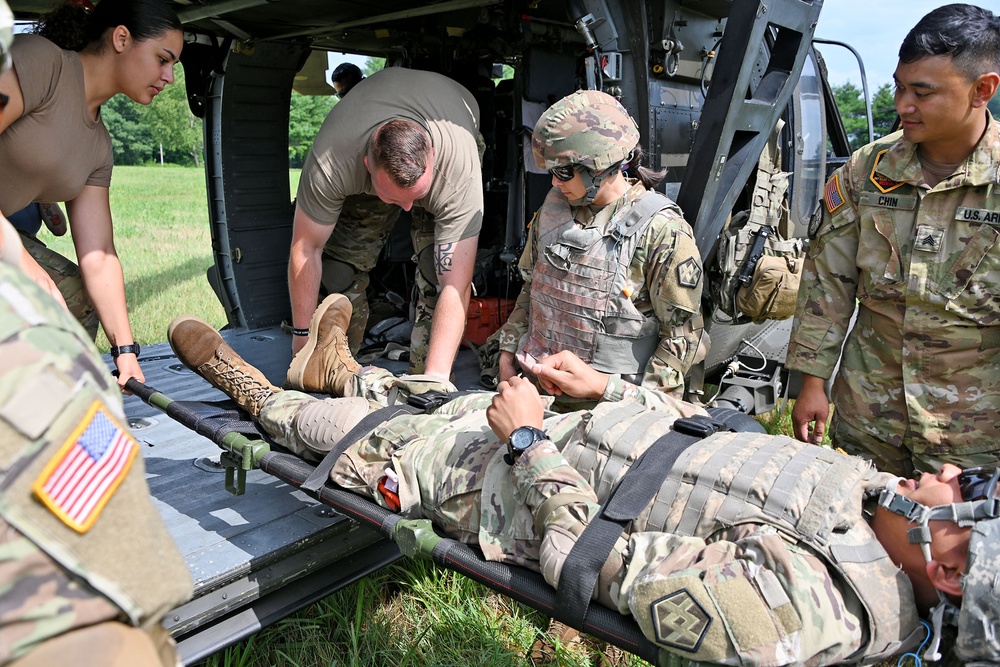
(896, 458)
(352, 252)
(66, 275)
(279, 415)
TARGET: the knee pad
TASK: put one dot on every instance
(323, 424)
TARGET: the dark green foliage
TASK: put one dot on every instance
(306, 115)
(130, 137)
(851, 103)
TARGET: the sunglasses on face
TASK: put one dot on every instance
(978, 483)
(564, 173)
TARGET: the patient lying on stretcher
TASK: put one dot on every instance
(737, 557)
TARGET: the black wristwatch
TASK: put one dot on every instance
(520, 439)
(117, 350)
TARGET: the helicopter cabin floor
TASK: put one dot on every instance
(260, 556)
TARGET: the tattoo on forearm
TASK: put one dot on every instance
(443, 257)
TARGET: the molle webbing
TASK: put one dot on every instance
(588, 556)
(575, 286)
(585, 459)
(781, 504)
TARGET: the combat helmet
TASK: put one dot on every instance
(978, 617)
(588, 130)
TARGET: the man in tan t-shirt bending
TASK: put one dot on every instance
(409, 137)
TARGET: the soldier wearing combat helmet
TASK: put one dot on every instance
(611, 270)
(751, 548)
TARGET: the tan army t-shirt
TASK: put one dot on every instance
(55, 147)
(335, 167)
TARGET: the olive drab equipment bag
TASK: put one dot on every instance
(758, 265)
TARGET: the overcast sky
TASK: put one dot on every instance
(875, 28)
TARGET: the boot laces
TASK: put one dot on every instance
(244, 383)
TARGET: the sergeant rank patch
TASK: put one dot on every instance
(680, 621)
(86, 471)
(689, 272)
(832, 195)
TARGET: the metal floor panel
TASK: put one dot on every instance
(244, 550)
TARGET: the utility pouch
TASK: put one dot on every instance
(758, 273)
(773, 290)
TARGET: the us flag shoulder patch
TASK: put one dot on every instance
(833, 197)
(87, 470)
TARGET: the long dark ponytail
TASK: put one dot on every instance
(77, 24)
(650, 178)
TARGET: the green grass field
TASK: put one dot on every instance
(410, 614)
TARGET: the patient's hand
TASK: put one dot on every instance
(516, 404)
(565, 373)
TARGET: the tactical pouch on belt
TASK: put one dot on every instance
(758, 270)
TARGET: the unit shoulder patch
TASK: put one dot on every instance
(680, 621)
(87, 470)
(689, 272)
(883, 183)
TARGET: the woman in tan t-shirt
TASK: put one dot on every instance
(53, 145)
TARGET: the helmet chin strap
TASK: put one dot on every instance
(963, 514)
(593, 182)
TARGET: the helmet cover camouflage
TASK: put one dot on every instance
(6, 35)
(587, 128)
(979, 619)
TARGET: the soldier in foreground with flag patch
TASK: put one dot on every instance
(908, 230)
(751, 549)
(77, 528)
(611, 269)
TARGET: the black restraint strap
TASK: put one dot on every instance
(416, 403)
(321, 474)
(583, 565)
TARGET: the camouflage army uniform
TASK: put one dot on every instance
(66, 275)
(69, 561)
(661, 286)
(919, 379)
(782, 569)
(356, 241)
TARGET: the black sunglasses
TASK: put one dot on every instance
(564, 173)
(978, 483)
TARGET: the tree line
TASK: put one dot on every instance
(851, 103)
(167, 132)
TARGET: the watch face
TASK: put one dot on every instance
(521, 439)
(525, 436)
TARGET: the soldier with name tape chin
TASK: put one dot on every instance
(909, 230)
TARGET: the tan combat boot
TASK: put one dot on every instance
(325, 364)
(200, 347)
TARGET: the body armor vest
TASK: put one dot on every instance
(578, 301)
(812, 494)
